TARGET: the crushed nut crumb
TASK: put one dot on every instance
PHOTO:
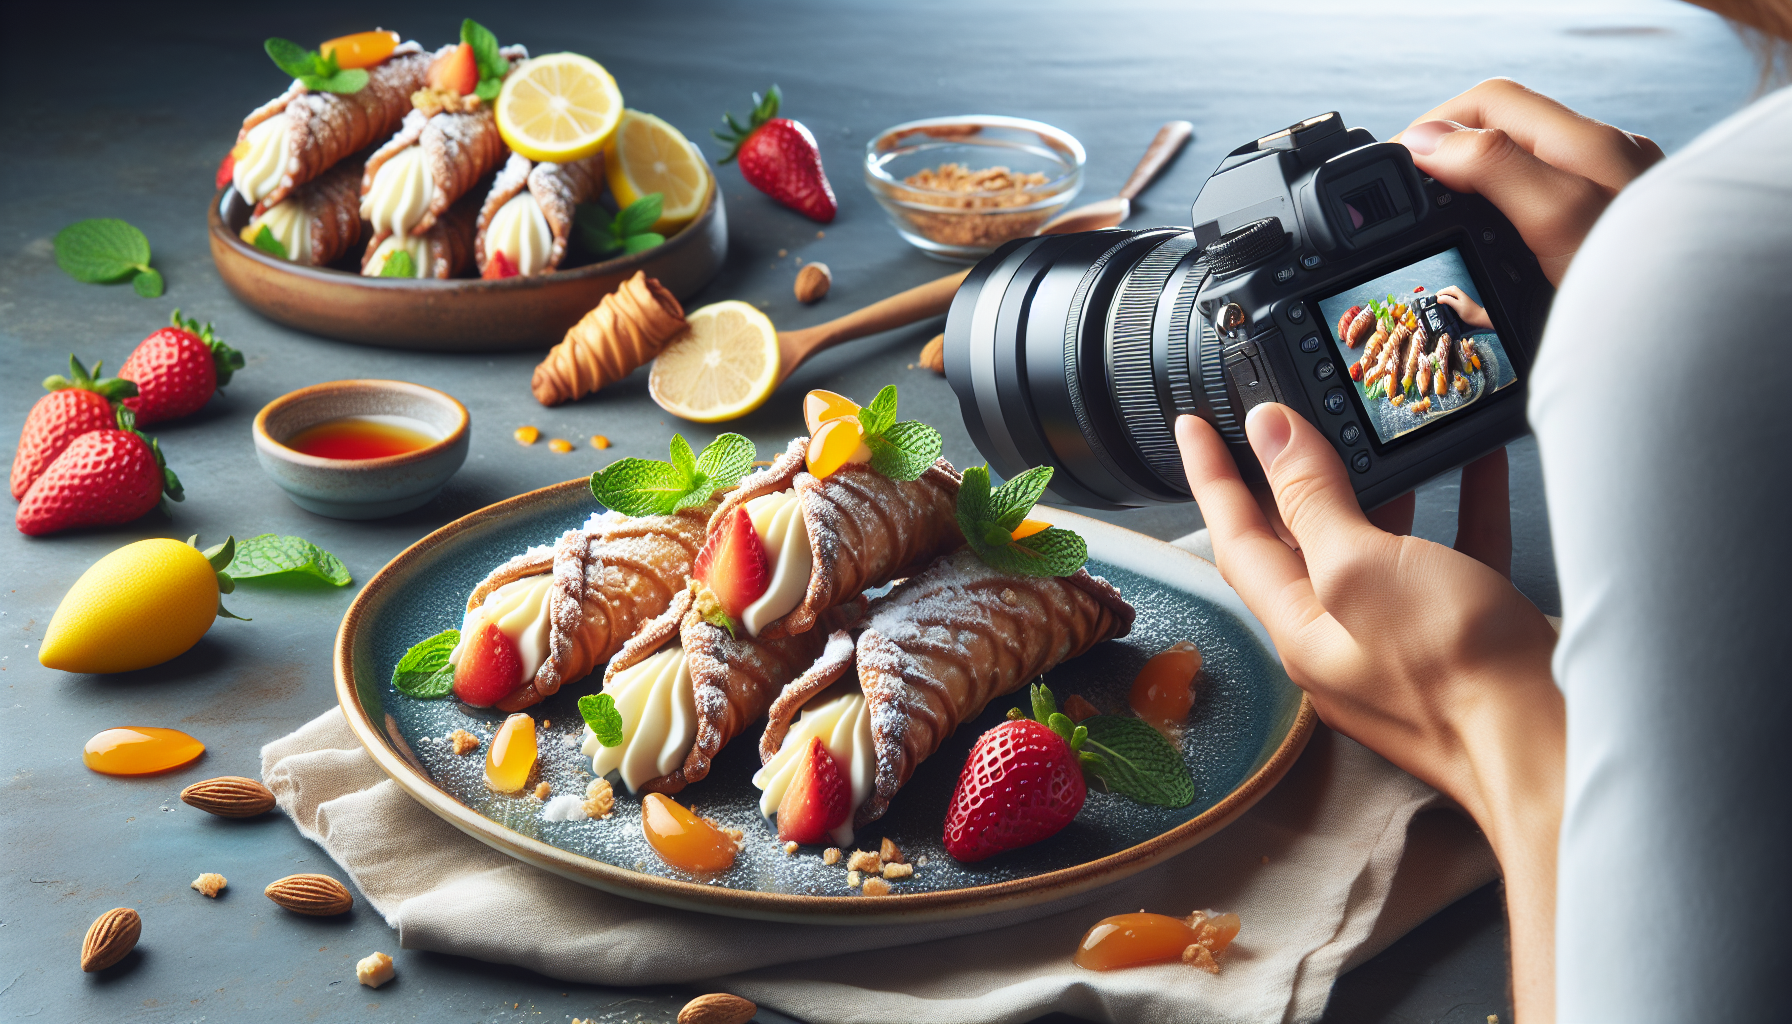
(1199, 956)
(547, 723)
(600, 800)
(1009, 596)
(543, 791)
(430, 102)
(866, 861)
(210, 883)
(876, 887)
(790, 848)
(921, 861)
(898, 870)
(463, 741)
(889, 852)
(852, 879)
(830, 856)
(374, 970)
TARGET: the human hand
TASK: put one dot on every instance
(1551, 171)
(1468, 309)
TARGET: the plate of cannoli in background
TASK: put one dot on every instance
(844, 684)
(470, 197)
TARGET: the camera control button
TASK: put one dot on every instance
(1311, 261)
(1285, 275)
(1511, 272)
(1445, 198)
(1334, 401)
(1351, 434)
(1310, 343)
(1360, 462)
(1296, 311)
(1487, 235)
(1324, 369)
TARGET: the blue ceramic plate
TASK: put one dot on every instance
(1248, 724)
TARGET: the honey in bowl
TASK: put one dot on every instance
(362, 437)
(139, 750)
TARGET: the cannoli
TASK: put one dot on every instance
(1414, 349)
(444, 251)
(1423, 377)
(317, 223)
(682, 688)
(1370, 352)
(1344, 322)
(928, 656)
(627, 330)
(1359, 328)
(527, 217)
(300, 134)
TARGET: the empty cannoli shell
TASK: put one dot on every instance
(865, 529)
(938, 648)
(627, 329)
(558, 189)
(328, 127)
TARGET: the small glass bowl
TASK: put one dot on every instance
(965, 226)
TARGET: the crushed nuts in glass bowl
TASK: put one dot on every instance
(958, 187)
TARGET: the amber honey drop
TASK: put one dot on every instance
(682, 839)
(1165, 687)
(358, 437)
(140, 750)
(511, 755)
(1134, 940)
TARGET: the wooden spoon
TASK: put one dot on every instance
(1108, 213)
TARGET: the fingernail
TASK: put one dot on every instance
(1268, 428)
(1422, 138)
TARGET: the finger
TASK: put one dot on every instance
(1552, 209)
(1396, 516)
(1484, 513)
(1552, 132)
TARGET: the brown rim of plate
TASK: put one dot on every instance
(688, 234)
(260, 426)
(843, 910)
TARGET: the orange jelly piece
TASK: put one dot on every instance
(821, 406)
(1028, 527)
(1165, 687)
(837, 443)
(1133, 940)
(511, 754)
(682, 839)
(139, 750)
(362, 49)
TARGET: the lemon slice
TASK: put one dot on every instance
(723, 367)
(558, 107)
(647, 155)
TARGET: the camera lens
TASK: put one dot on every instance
(1079, 352)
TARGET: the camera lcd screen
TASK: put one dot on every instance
(1418, 343)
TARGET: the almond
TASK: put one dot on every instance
(229, 797)
(317, 895)
(718, 1007)
(110, 938)
(813, 282)
(933, 355)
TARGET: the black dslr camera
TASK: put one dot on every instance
(1324, 272)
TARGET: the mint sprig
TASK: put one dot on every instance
(104, 251)
(424, 672)
(599, 712)
(1135, 761)
(492, 64)
(112, 389)
(266, 242)
(900, 451)
(628, 231)
(225, 360)
(270, 554)
(647, 487)
(398, 264)
(987, 519)
(318, 72)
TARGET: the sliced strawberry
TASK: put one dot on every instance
(817, 800)
(498, 267)
(1022, 783)
(489, 668)
(733, 564)
(226, 169)
(457, 72)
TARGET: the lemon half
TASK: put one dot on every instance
(723, 367)
(647, 155)
(558, 107)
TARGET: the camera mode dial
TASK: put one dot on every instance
(1245, 246)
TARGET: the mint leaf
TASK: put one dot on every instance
(488, 88)
(292, 58)
(102, 250)
(905, 450)
(273, 555)
(1137, 762)
(351, 80)
(424, 672)
(639, 215)
(725, 460)
(973, 500)
(1011, 502)
(398, 264)
(596, 230)
(147, 283)
(492, 64)
(880, 414)
(639, 243)
(1050, 552)
(683, 459)
(599, 712)
(266, 242)
(639, 487)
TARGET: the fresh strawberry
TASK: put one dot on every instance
(733, 565)
(489, 668)
(105, 477)
(498, 267)
(779, 157)
(456, 72)
(75, 405)
(1022, 783)
(177, 369)
(226, 169)
(817, 800)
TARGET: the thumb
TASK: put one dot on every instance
(1313, 491)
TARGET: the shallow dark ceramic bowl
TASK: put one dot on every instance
(1248, 725)
(459, 315)
(362, 488)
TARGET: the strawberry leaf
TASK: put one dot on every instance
(1137, 762)
(599, 712)
(764, 109)
(424, 672)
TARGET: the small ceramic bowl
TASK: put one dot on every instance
(363, 488)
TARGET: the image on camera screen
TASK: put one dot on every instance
(1419, 344)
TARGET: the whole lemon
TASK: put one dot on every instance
(139, 606)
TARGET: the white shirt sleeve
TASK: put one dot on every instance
(1662, 405)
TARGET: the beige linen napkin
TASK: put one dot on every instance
(1340, 859)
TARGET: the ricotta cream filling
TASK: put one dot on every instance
(659, 720)
(400, 193)
(520, 231)
(521, 610)
(261, 168)
(290, 226)
(844, 725)
(416, 245)
(778, 519)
